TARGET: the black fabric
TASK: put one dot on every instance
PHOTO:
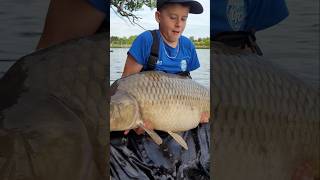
(153, 58)
(240, 39)
(185, 73)
(138, 157)
(195, 7)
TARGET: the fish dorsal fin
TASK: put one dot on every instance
(157, 139)
(179, 139)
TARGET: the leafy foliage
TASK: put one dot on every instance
(120, 42)
(126, 8)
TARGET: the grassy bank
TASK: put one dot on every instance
(124, 42)
(129, 45)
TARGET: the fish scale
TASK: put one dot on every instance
(265, 120)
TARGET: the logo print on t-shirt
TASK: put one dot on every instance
(183, 65)
(236, 13)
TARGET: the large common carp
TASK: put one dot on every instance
(171, 102)
(265, 121)
(53, 113)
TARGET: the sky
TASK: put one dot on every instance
(198, 25)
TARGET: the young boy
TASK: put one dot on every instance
(176, 53)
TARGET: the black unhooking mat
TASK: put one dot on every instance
(138, 157)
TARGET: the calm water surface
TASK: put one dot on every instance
(294, 43)
(21, 24)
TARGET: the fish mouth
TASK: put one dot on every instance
(123, 112)
(118, 118)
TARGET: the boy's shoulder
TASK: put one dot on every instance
(145, 34)
(144, 37)
(186, 41)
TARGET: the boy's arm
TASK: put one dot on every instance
(69, 19)
(131, 66)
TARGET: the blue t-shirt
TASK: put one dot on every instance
(172, 60)
(244, 15)
(101, 5)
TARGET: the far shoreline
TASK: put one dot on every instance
(128, 46)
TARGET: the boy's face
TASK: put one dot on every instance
(172, 21)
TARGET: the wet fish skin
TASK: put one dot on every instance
(53, 111)
(124, 109)
(265, 121)
(172, 103)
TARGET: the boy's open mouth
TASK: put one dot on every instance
(176, 32)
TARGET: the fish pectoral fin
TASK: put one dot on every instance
(179, 139)
(152, 134)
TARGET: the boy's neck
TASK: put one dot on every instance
(171, 44)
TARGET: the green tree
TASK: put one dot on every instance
(125, 8)
(114, 39)
(131, 39)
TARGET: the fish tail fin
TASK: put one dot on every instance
(179, 139)
(152, 134)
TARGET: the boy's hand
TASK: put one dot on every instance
(147, 124)
(204, 117)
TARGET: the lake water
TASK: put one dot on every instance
(21, 24)
(201, 75)
(292, 44)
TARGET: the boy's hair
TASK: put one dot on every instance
(195, 7)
